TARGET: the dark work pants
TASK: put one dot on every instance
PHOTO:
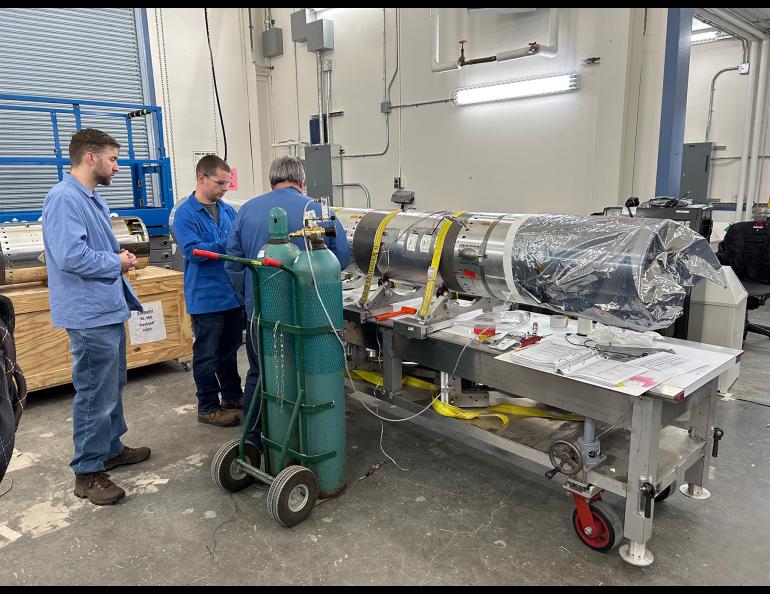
(218, 336)
(252, 383)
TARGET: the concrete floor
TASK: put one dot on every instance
(453, 517)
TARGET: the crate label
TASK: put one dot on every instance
(149, 326)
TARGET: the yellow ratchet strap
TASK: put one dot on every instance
(449, 410)
(375, 255)
(433, 270)
(375, 378)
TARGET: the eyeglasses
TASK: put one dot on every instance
(221, 183)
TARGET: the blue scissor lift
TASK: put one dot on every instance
(155, 216)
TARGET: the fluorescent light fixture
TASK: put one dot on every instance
(517, 89)
(704, 36)
(708, 36)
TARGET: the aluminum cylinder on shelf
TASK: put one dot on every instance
(22, 254)
(628, 272)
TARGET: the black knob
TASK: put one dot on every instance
(648, 492)
(718, 434)
(551, 473)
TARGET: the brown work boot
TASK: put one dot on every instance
(233, 404)
(220, 417)
(98, 488)
(127, 456)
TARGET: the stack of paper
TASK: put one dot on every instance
(605, 372)
(549, 355)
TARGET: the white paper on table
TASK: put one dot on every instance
(667, 364)
(604, 371)
(549, 354)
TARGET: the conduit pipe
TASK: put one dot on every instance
(734, 23)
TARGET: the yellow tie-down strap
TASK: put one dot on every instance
(449, 410)
(375, 255)
(433, 270)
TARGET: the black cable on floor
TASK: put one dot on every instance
(214, 76)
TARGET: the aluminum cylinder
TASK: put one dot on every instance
(621, 271)
(22, 253)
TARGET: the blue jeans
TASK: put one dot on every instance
(252, 383)
(218, 336)
(98, 374)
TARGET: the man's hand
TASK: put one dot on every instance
(127, 261)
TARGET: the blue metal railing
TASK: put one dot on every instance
(155, 217)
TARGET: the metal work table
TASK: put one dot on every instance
(642, 464)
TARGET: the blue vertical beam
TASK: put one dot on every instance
(144, 40)
(676, 71)
(57, 145)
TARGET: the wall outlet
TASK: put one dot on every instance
(398, 183)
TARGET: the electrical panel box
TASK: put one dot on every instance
(320, 35)
(272, 42)
(299, 21)
(323, 172)
(696, 166)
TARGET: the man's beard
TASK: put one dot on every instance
(104, 180)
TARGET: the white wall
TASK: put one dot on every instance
(182, 66)
(728, 119)
(572, 153)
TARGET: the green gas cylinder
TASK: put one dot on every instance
(323, 362)
(276, 304)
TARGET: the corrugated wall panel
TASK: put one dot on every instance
(79, 53)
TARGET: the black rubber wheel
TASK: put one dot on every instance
(292, 495)
(663, 495)
(226, 473)
(609, 524)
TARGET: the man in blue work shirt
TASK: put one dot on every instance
(91, 299)
(250, 233)
(204, 222)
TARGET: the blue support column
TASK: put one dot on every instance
(676, 71)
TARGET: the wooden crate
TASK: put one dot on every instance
(43, 350)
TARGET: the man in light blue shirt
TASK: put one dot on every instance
(91, 299)
(203, 221)
(250, 233)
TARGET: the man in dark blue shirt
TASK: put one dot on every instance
(91, 299)
(204, 222)
(250, 233)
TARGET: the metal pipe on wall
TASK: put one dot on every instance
(532, 49)
(745, 144)
(731, 22)
(711, 99)
(759, 118)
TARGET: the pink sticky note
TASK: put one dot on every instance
(233, 179)
(645, 381)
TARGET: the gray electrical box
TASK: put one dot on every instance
(323, 172)
(272, 42)
(696, 166)
(320, 35)
(299, 21)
